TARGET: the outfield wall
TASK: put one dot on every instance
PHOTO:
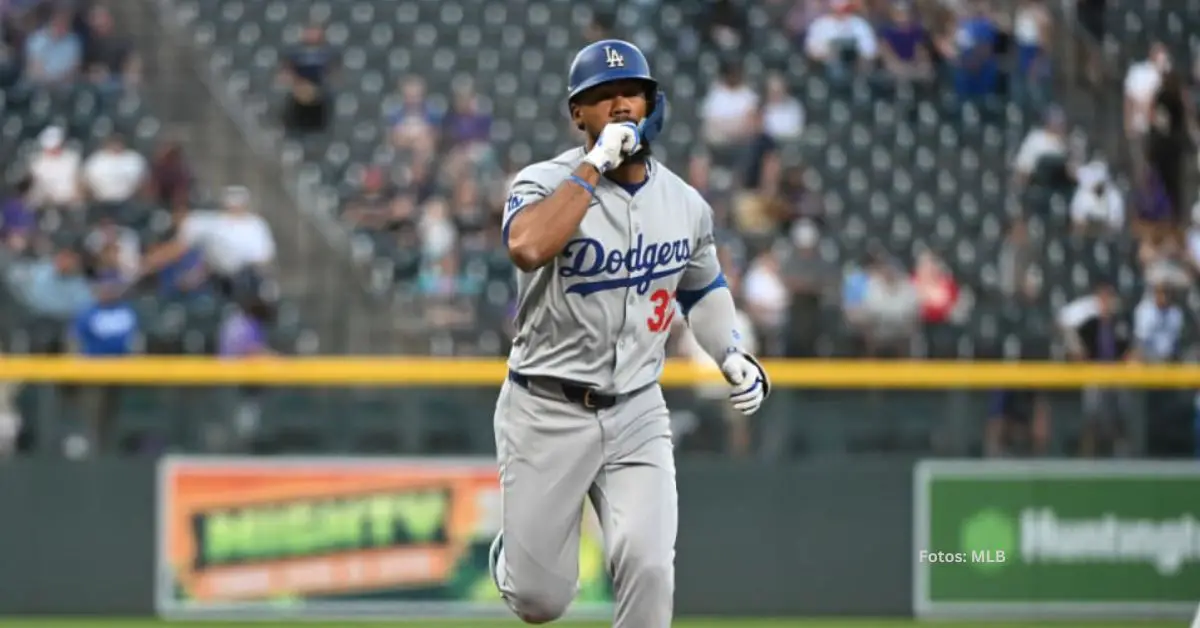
(407, 537)
(806, 539)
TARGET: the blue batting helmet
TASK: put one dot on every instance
(616, 60)
(606, 61)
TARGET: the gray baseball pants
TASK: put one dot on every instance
(552, 453)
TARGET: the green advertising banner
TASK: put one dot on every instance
(1056, 539)
(340, 538)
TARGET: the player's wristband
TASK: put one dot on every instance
(578, 180)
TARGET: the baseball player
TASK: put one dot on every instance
(609, 244)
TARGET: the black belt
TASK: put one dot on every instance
(576, 393)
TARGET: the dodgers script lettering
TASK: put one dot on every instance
(645, 263)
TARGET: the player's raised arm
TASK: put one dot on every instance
(539, 222)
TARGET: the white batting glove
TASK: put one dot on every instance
(749, 381)
(617, 141)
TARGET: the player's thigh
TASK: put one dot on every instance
(549, 453)
(635, 494)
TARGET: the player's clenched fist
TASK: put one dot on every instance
(617, 141)
(749, 381)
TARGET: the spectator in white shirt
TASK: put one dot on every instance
(56, 171)
(767, 300)
(1157, 325)
(728, 109)
(123, 239)
(115, 173)
(236, 244)
(1097, 208)
(1142, 82)
(842, 40)
(783, 115)
(1048, 140)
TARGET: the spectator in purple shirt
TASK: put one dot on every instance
(244, 336)
(1154, 206)
(17, 220)
(466, 124)
(904, 48)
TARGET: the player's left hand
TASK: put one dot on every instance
(749, 380)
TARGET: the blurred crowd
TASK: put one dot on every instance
(439, 196)
(98, 239)
(93, 225)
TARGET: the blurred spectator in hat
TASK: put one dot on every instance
(891, 311)
(170, 180)
(111, 60)
(973, 51)
(1157, 326)
(108, 328)
(18, 222)
(855, 282)
(56, 171)
(783, 115)
(842, 41)
(1095, 330)
(467, 125)
(811, 283)
(54, 53)
(236, 242)
(936, 289)
(375, 205)
(114, 173)
(1097, 208)
(1142, 83)
(1033, 34)
(728, 108)
(187, 277)
(306, 71)
(53, 288)
(414, 120)
(1043, 152)
(117, 249)
(904, 46)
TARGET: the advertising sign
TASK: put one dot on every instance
(1057, 539)
(329, 537)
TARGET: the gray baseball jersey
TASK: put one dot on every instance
(600, 313)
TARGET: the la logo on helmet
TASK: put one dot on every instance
(614, 58)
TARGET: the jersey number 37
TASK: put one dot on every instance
(664, 311)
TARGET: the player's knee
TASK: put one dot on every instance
(543, 605)
(648, 573)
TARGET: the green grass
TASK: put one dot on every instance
(682, 623)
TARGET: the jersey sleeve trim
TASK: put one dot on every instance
(689, 298)
(524, 193)
(508, 218)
